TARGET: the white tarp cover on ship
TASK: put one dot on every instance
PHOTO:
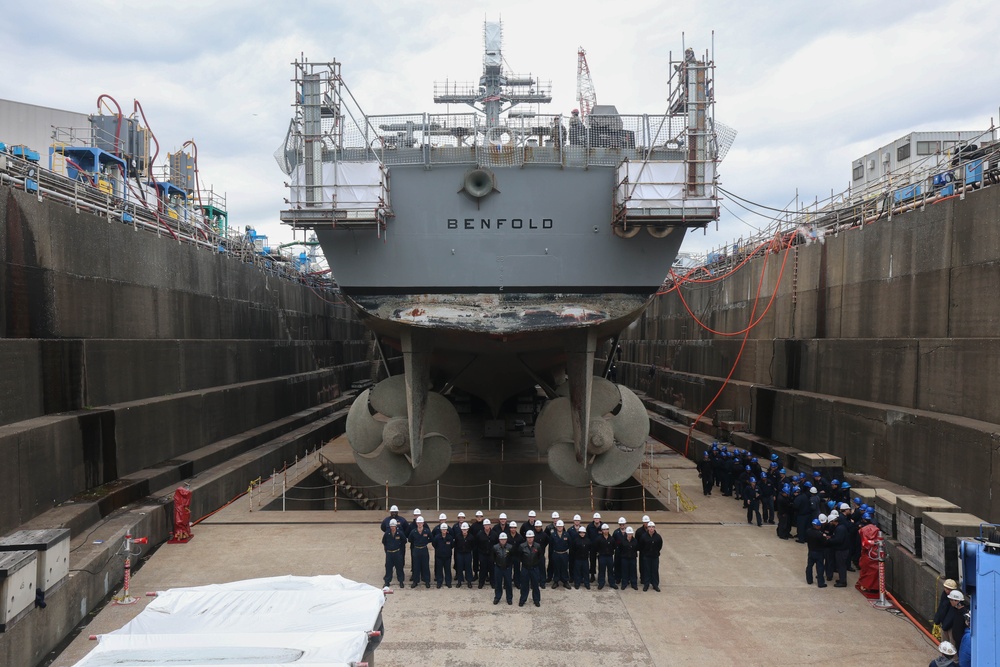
(658, 185)
(316, 621)
(349, 185)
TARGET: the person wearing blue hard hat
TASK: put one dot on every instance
(706, 471)
(751, 499)
(783, 507)
(815, 540)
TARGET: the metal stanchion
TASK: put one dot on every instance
(881, 603)
(438, 495)
(489, 495)
(126, 597)
(283, 491)
(591, 495)
(386, 495)
(539, 497)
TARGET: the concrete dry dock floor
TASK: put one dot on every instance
(731, 594)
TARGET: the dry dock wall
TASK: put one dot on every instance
(881, 346)
(121, 351)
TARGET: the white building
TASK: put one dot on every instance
(910, 159)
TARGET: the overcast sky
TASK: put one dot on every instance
(809, 86)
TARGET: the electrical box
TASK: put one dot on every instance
(17, 585)
(52, 546)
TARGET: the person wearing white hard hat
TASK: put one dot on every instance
(465, 552)
(604, 547)
(542, 540)
(401, 524)
(476, 527)
(593, 530)
(501, 526)
(532, 564)
(617, 537)
(444, 547)
(639, 532)
(948, 655)
(484, 549)
(650, 546)
(559, 543)
(503, 569)
(437, 527)
(580, 557)
(839, 547)
(549, 530)
(629, 551)
(574, 531)
(944, 617)
(530, 521)
(516, 539)
(394, 544)
(961, 606)
(420, 568)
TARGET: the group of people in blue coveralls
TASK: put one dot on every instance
(504, 556)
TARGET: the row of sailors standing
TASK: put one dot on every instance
(501, 554)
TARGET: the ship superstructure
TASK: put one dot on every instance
(497, 248)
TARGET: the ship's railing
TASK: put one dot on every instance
(526, 138)
(189, 228)
(937, 177)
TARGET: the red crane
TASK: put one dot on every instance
(585, 93)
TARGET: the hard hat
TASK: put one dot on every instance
(705, 453)
(747, 468)
(753, 460)
(416, 512)
(830, 504)
(645, 518)
(817, 522)
(597, 515)
(393, 509)
(420, 519)
(813, 489)
(538, 522)
(503, 536)
(503, 515)
(833, 515)
(816, 473)
(956, 595)
(444, 527)
(808, 485)
(576, 517)
(845, 486)
(530, 533)
(844, 506)
(822, 518)
(753, 480)
(486, 522)
(857, 500)
(950, 584)
(464, 526)
(782, 471)
(947, 648)
(629, 531)
(867, 516)
(774, 457)
(651, 525)
(576, 111)
(555, 515)
(785, 488)
(834, 482)
(393, 522)
(604, 526)
(532, 513)
(461, 515)
(621, 519)
(443, 517)
(796, 489)
(512, 524)
(582, 529)
(774, 464)
(559, 523)
(479, 513)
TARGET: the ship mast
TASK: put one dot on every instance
(498, 91)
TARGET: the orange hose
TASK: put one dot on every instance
(912, 620)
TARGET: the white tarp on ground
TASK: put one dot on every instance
(352, 185)
(286, 620)
(660, 185)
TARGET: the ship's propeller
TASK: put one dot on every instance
(617, 435)
(378, 432)
(630, 427)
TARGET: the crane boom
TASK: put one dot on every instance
(585, 93)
